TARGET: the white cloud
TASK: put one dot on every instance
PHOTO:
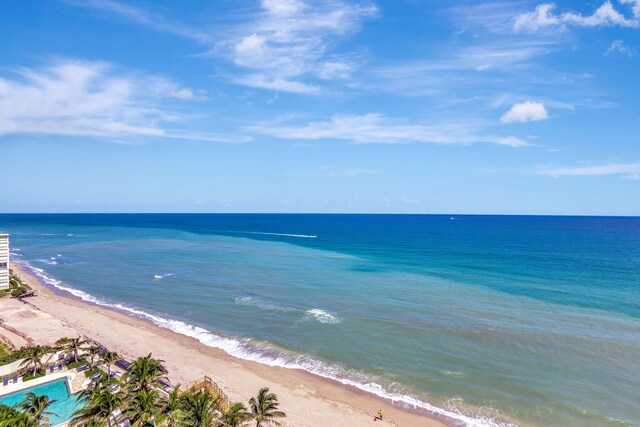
(335, 70)
(513, 141)
(630, 169)
(539, 18)
(618, 46)
(278, 84)
(525, 112)
(289, 41)
(375, 128)
(164, 88)
(282, 7)
(605, 15)
(635, 6)
(92, 99)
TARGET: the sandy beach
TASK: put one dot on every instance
(307, 399)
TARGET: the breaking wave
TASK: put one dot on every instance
(322, 316)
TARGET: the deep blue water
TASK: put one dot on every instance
(533, 318)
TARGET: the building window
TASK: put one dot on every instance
(3, 265)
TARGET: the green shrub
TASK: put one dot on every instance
(74, 365)
(21, 353)
(94, 371)
(30, 376)
(16, 292)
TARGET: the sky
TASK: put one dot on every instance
(384, 106)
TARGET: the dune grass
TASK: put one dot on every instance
(5, 350)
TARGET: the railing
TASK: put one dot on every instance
(7, 341)
(207, 384)
(24, 336)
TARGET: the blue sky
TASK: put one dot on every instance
(520, 107)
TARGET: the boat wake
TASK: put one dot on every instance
(263, 352)
(302, 236)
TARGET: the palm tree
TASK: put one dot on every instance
(145, 373)
(172, 408)
(74, 345)
(144, 407)
(96, 406)
(33, 358)
(109, 358)
(11, 417)
(235, 416)
(200, 409)
(36, 406)
(93, 352)
(264, 408)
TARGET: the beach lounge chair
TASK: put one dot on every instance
(15, 379)
(82, 367)
(52, 368)
(114, 388)
(59, 366)
(5, 381)
(95, 376)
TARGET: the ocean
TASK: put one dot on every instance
(490, 320)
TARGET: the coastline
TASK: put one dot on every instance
(308, 399)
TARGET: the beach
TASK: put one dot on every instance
(307, 399)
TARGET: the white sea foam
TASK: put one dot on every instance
(256, 302)
(322, 316)
(161, 276)
(51, 261)
(245, 348)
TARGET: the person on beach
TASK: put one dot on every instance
(379, 416)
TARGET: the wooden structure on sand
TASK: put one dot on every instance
(207, 384)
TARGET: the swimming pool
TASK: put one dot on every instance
(56, 390)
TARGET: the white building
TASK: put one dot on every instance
(4, 261)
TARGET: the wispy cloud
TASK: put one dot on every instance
(631, 170)
(277, 84)
(92, 99)
(605, 15)
(523, 112)
(284, 46)
(288, 40)
(618, 46)
(376, 128)
(144, 17)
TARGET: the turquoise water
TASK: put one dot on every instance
(490, 320)
(64, 404)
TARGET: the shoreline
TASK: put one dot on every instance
(318, 400)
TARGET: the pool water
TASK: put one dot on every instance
(64, 404)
